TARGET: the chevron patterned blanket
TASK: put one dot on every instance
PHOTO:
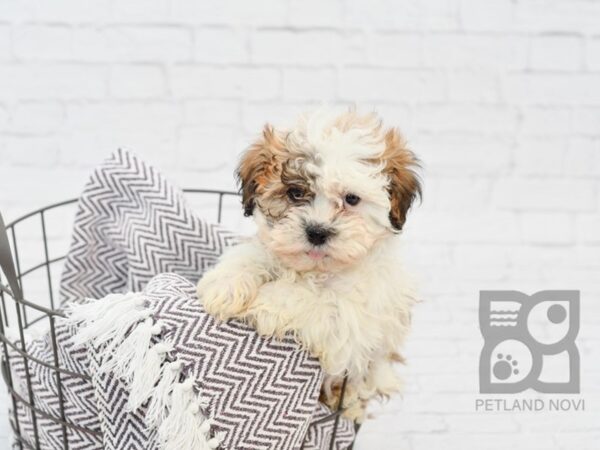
(145, 367)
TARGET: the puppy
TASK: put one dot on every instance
(329, 198)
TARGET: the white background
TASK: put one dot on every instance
(500, 99)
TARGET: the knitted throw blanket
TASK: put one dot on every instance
(144, 367)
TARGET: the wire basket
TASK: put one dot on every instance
(24, 314)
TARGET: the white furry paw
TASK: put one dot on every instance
(354, 407)
(384, 380)
(225, 295)
(356, 411)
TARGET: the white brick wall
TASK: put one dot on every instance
(500, 98)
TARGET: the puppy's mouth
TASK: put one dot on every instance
(316, 254)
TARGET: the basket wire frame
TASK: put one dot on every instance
(12, 293)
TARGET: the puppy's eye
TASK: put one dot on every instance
(295, 194)
(352, 199)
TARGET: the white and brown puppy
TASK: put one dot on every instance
(329, 198)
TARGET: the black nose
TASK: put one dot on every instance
(317, 234)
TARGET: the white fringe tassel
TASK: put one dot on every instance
(185, 426)
(161, 397)
(122, 329)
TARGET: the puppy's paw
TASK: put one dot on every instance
(225, 295)
(384, 380)
(356, 411)
(271, 313)
(354, 407)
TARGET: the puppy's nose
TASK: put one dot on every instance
(317, 234)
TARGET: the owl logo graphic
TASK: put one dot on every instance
(529, 342)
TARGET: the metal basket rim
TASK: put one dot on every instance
(74, 200)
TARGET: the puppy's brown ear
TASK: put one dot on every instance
(400, 166)
(259, 164)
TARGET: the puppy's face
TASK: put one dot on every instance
(324, 193)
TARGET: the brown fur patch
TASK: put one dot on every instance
(267, 170)
(397, 357)
(399, 165)
(259, 166)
